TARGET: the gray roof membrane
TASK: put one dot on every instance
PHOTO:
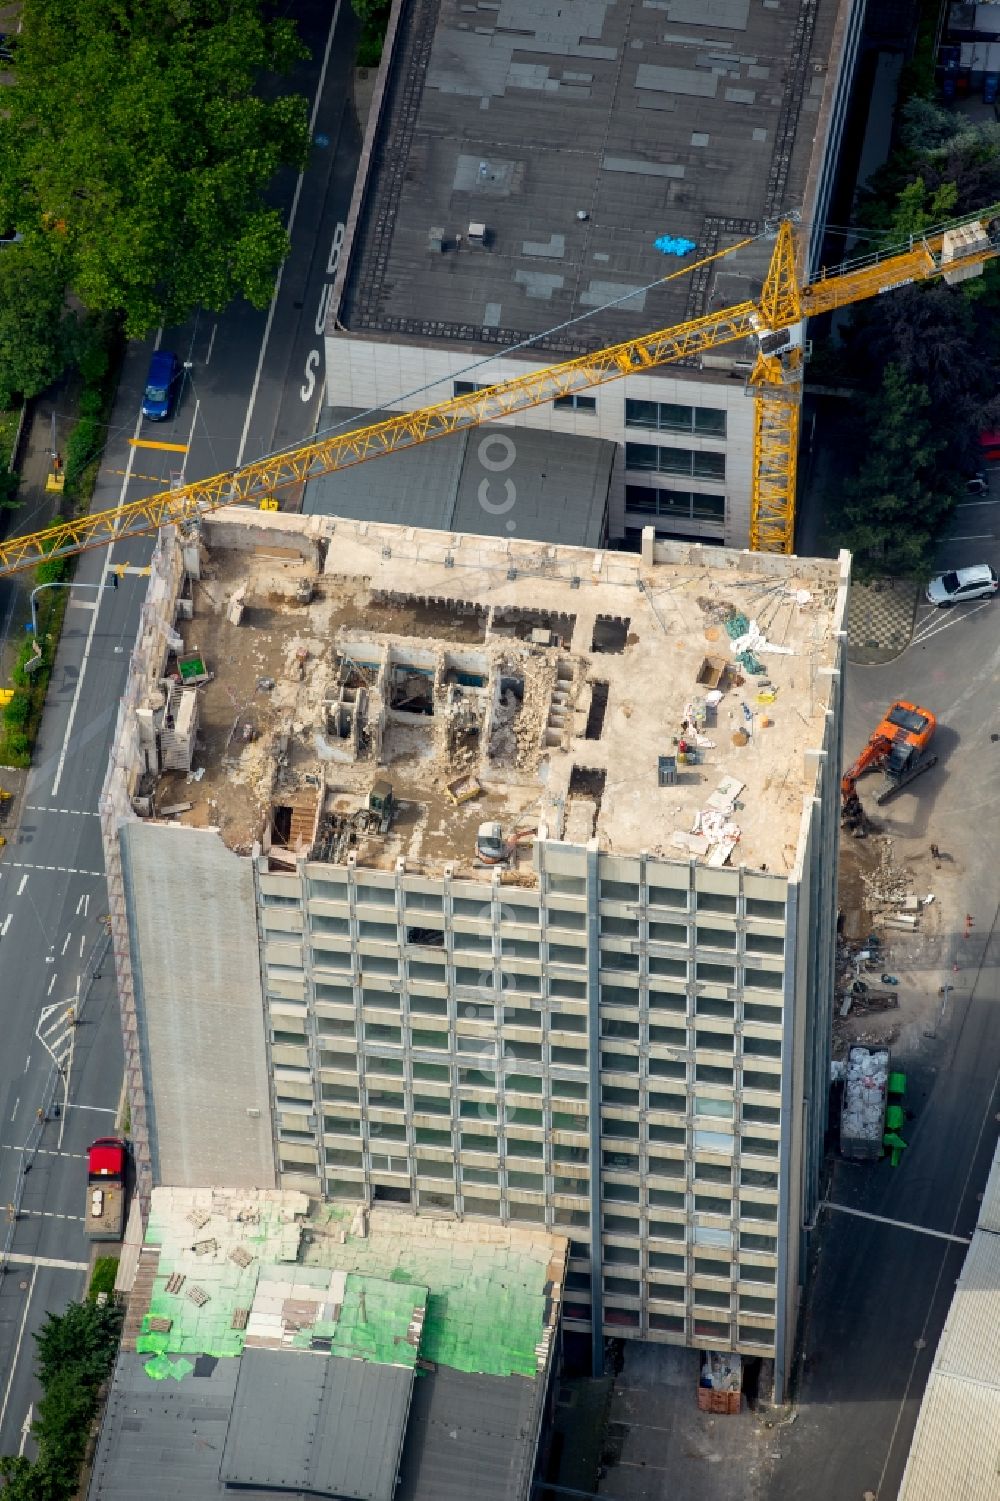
(499, 482)
(577, 135)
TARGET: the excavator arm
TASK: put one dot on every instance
(874, 753)
(956, 251)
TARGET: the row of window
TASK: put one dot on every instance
(661, 460)
(660, 416)
(675, 505)
(564, 950)
(334, 888)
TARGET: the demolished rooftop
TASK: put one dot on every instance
(322, 687)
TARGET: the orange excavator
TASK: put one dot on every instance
(898, 747)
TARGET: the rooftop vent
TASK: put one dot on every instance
(435, 240)
(477, 234)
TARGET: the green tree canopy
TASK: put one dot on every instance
(37, 330)
(135, 146)
(895, 507)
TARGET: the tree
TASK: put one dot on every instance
(37, 330)
(84, 1339)
(895, 507)
(133, 141)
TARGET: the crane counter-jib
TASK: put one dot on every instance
(952, 251)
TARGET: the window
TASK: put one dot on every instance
(466, 387)
(668, 417)
(677, 505)
(577, 403)
(689, 461)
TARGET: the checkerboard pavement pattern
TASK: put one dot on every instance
(880, 619)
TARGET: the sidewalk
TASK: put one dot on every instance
(880, 620)
(37, 508)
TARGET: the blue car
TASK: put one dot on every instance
(162, 384)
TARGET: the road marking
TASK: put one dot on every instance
(81, 604)
(881, 1219)
(24, 882)
(66, 943)
(100, 1109)
(20, 1332)
(972, 537)
(14, 1111)
(83, 904)
(10, 1146)
(83, 667)
(67, 870)
(46, 808)
(932, 626)
(211, 344)
(157, 443)
(37, 1261)
(288, 228)
(26, 1429)
(27, 1063)
(48, 1214)
(194, 419)
(966, 505)
(51, 983)
(83, 943)
(6, 924)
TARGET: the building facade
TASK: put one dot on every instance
(620, 1033)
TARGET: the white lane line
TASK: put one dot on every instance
(12, 1146)
(106, 563)
(51, 984)
(190, 438)
(24, 882)
(66, 942)
(66, 870)
(27, 1063)
(20, 1335)
(934, 626)
(88, 645)
(83, 904)
(99, 1109)
(48, 1214)
(972, 537)
(881, 1219)
(966, 505)
(289, 227)
(83, 943)
(211, 344)
(14, 1111)
(47, 808)
(6, 925)
(37, 1261)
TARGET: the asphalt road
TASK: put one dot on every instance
(881, 1292)
(254, 383)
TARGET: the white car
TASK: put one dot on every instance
(978, 582)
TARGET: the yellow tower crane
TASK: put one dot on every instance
(954, 252)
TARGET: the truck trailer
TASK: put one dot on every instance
(862, 1117)
(107, 1164)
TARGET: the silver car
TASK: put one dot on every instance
(978, 582)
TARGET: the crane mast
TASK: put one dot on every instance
(953, 252)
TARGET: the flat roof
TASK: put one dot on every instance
(553, 487)
(549, 683)
(577, 136)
